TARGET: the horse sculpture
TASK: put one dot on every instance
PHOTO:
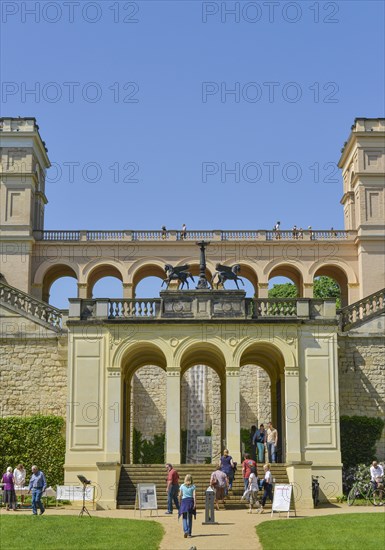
(225, 273)
(177, 274)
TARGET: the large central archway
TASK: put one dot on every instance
(263, 364)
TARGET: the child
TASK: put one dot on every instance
(187, 507)
(268, 486)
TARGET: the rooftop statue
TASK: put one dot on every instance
(177, 274)
(226, 273)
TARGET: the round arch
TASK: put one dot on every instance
(203, 353)
(54, 273)
(291, 272)
(97, 272)
(138, 391)
(272, 358)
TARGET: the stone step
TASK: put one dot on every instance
(132, 474)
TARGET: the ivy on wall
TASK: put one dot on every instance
(148, 452)
(33, 440)
(359, 435)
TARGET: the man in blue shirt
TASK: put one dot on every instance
(37, 484)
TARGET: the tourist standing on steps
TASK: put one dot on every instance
(260, 441)
(187, 505)
(37, 484)
(253, 447)
(9, 489)
(20, 474)
(172, 488)
(249, 466)
(272, 442)
(227, 466)
(267, 486)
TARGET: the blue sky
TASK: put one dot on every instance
(147, 116)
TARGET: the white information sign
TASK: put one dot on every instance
(74, 492)
(203, 446)
(282, 498)
(146, 496)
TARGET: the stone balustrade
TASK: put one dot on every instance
(196, 235)
(362, 310)
(203, 305)
(30, 307)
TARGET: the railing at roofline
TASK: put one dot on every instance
(362, 310)
(157, 308)
(34, 308)
(193, 235)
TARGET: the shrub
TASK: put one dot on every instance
(32, 440)
(358, 439)
(148, 452)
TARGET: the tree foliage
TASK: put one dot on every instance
(324, 287)
(358, 439)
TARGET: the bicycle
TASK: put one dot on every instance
(315, 489)
(363, 490)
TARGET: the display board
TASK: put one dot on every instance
(74, 492)
(146, 496)
(282, 498)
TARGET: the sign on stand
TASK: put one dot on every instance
(146, 497)
(282, 499)
(203, 446)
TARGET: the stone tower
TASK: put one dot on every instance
(24, 162)
(363, 166)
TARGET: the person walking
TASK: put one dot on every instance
(183, 233)
(9, 489)
(253, 492)
(249, 466)
(227, 466)
(37, 484)
(20, 474)
(219, 482)
(187, 504)
(272, 442)
(267, 486)
(260, 441)
(172, 488)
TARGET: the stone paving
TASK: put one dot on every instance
(235, 529)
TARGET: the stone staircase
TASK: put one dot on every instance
(132, 474)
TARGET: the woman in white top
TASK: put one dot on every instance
(19, 474)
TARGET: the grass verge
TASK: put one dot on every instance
(353, 531)
(62, 532)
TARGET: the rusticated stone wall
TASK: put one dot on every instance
(255, 406)
(148, 401)
(362, 379)
(33, 376)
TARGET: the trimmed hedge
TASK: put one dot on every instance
(358, 439)
(32, 440)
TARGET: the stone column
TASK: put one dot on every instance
(113, 414)
(308, 290)
(263, 290)
(173, 415)
(233, 425)
(82, 290)
(292, 414)
(128, 291)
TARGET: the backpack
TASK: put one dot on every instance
(253, 469)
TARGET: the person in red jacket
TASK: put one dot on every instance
(249, 466)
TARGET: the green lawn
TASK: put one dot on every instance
(21, 532)
(345, 531)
